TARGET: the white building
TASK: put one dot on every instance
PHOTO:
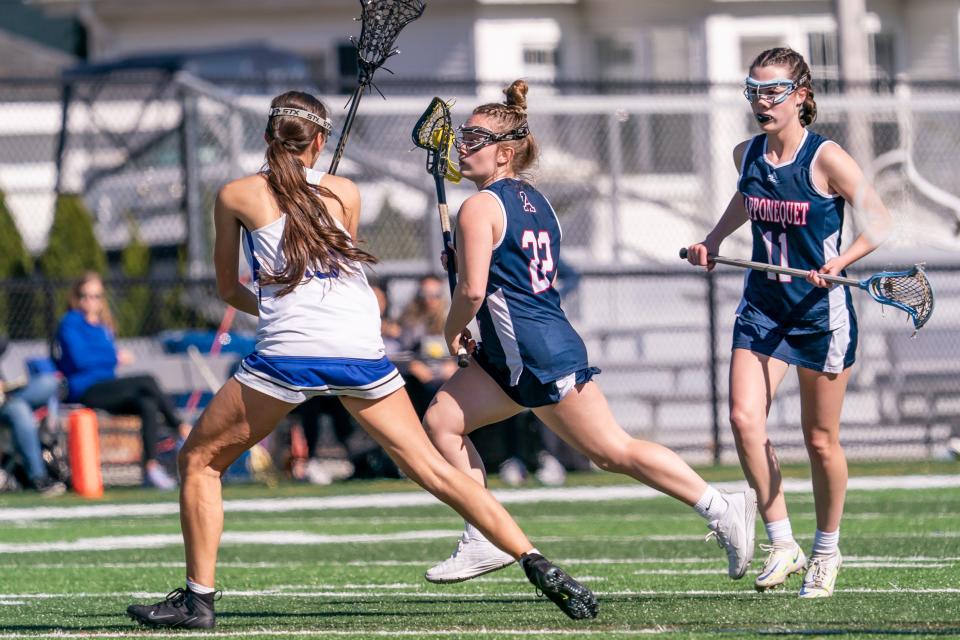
(643, 173)
(665, 40)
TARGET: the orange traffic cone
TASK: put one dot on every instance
(84, 443)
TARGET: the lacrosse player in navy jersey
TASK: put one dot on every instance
(529, 356)
(792, 188)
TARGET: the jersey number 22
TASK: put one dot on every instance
(540, 266)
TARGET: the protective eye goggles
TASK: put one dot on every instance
(773, 91)
(473, 138)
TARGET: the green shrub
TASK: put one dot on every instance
(72, 248)
(134, 304)
(18, 300)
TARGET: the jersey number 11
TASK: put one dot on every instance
(777, 255)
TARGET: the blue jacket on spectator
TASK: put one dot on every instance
(87, 354)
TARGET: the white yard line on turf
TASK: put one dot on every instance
(862, 561)
(304, 538)
(271, 593)
(420, 498)
(273, 538)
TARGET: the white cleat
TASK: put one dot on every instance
(473, 557)
(735, 531)
(821, 576)
(781, 563)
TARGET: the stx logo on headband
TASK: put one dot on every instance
(324, 123)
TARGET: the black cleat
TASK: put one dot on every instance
(182, 609)
(573, 598)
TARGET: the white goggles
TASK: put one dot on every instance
(325, 123)
(773, 91)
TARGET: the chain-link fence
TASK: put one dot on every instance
(633, 176)
(650, 331)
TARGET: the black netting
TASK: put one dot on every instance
(382, 22)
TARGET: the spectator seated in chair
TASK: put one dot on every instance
(421, 324)
(17, 404)
(85, 351)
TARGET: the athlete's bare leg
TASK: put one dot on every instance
(393, 423)
(583, 419)
(236, 419)
(470, 399)
(754, 379)
(821, 400)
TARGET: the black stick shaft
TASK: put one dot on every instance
(463, 359)
(345, 132)
(446, 231)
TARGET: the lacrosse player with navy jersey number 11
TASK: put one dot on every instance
(508, 241)
(792, 189)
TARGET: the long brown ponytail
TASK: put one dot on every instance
(799, 73)
(311, 237)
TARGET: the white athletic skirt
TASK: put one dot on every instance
(295, 379)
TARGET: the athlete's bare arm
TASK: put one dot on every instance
(479, 222)
(732, 219)
(228, 217)
(835, 171)
(349, 194)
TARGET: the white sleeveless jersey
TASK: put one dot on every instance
(326, 315)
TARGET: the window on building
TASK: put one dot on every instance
(882, 55)
(824, 57)
(613, 53)
(540, 56)
(540, 62)
(317, 64)
(347, 68)
(615, 59)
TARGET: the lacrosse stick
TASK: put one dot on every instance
(381, 22)
(908, 291)
(434, 132)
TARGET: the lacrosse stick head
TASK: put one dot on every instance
(909, 291)
(434, 132)
(381, 22)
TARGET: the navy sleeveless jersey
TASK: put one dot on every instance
(793, 224)
(521, 322)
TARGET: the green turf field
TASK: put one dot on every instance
(312, 570)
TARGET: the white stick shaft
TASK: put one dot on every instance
(205, 371)
(788, 271)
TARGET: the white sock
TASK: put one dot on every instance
(826, 544)
(780, 533)
(472, 532)
(534, 550)
(711, 504)
(199, 588)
